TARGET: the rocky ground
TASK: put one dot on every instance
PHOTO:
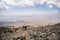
(49, 32)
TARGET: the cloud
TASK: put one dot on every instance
(55, 2)
(33, 16)
(10, 13)
(25, 3)
(19, 2)
(3, 6)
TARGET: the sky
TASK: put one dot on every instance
(30, 10)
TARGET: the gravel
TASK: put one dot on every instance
(49, 32)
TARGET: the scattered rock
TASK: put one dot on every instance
(50, 32)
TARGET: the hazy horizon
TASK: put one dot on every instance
(33, 11)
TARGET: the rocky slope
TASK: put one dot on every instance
(49, 32)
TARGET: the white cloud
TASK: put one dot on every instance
(17, 13)
(19, 2)
(24, 3)
(55, 2)
(28, 13)
(50, 6)
(3, 6)
(42, 16)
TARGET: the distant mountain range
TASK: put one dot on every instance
(3, 22)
